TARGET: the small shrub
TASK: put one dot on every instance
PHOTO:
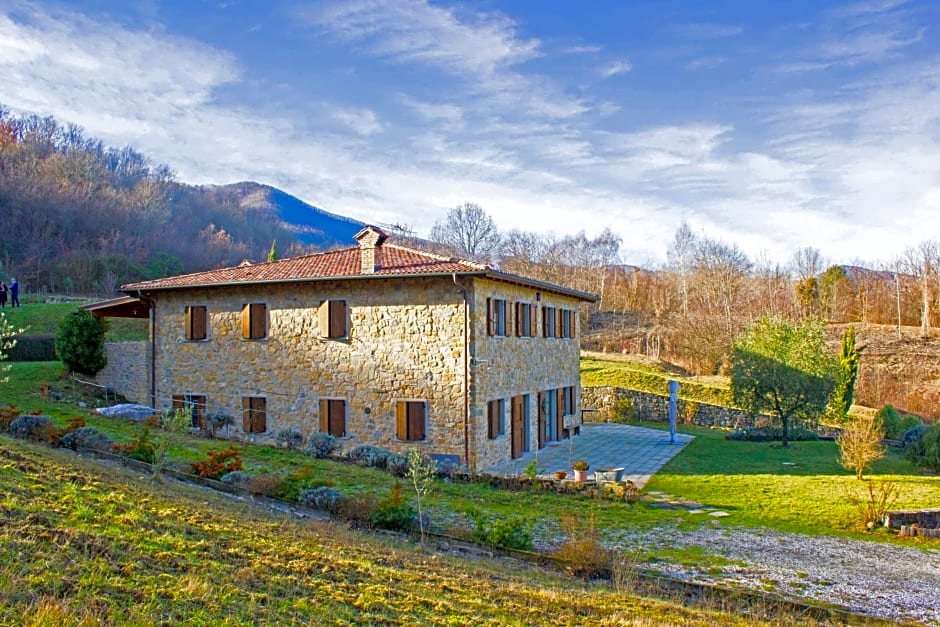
(772, 434)
(32, 427)
(624, 411)
(86, 438)
(298, 480)
(358, 508)
(532, 470)
(40, 347)
(922, 446)
(895, 425)
(217, 420)
(219, 463)
(289, 437)
(79, 342)
(7, 415)
(236, 478)
(55, 437)
(514, 532)
(396, 464)
(375, 457)
(690, 411)
(265, 485)
(582, 550)
(320, 445)
(393, 512)
(874, 502)
(325, 498)
(142, 448)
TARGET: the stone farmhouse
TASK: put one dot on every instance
(375, 344)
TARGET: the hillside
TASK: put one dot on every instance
(85, 543)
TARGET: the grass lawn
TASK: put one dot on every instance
(44, 318)
(651, 378)
(801, 488)
(82, 543)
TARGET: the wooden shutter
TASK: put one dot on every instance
(337, 313)
(259, 417)
(492, 419)
(401, 419)
(518, 312)
(246, 414)
(200, 323)
(246, 321)
(416, 420)
(198, 409)
(189, 323)
(324, 318)
(509, 318)
(324, 416)
(559, 327)
(337, 417)
(179, 401)
(533, 327)
(259, 320)
(490, 317)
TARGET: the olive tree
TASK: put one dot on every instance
(783, 370)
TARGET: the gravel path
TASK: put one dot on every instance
(878, 579)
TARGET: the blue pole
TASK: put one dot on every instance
(673, 400)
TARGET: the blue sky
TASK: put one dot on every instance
(770, 125)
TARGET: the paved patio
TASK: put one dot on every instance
(638, 450)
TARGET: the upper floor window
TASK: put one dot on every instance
(197, 322)
(254, 414)
(568, 317)
(525, 319)
(411, 420)
(333, 416)
(495, 418)
(333, 319)
(495, 316)
(254, 321)
(549, 324)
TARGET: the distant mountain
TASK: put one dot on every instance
(309, 224)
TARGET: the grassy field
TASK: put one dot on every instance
(82, 543)
(800, 489)
(636, 374)
(44, 319)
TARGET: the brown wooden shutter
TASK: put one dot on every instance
(324, 416)
(518, 311)
(401, 420)
(509, 318)
(337, 418)
(533, 327)
(259, 320)
(337, 318)
(189, 323)
(246, 414)
(490, 317)
(416, 419)
(199, 411)
(324, 318)
(559, 327)
(199, 324)
(259, 418)
(246, 321)
(179, 401)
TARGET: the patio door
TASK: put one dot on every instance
(518, 426)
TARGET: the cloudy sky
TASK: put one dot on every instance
(771, 125)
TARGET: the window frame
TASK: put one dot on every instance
(525, 319)
(549, 324)
(404, 420)
(327, 407)
(496, 318)
(189, 320)
(249, 413)
(250, 321)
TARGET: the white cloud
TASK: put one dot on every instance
(362, 121)
(615, 68)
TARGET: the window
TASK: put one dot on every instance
(195, 404)
(333, 417)
(569, 400)
(548, 322)
(525, 320)
(333, 319)
(411, 418)
(196, 322)
(495, 418)
(254, 414)
(567, 323)
(255, 321)
(496, 316)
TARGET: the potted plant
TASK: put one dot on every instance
(560, 475)
(580, 470)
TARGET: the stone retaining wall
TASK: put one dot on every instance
(655, 408)
(923, 518)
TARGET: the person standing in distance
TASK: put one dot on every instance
(14, 292)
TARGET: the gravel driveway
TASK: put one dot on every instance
(874, 578)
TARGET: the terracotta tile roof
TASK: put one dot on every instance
(394, 261)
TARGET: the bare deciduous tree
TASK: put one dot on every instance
(469, 230)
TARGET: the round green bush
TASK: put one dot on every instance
(79, 343)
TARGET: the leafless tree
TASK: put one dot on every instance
(681, 256)
(807, 263)
(469, 230)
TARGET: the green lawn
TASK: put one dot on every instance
(647, 378)
(44, 319)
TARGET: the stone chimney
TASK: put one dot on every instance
(370, 241)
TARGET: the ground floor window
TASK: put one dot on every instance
(195, 404)
(254, 414)
(412, 420)
(333, 416)
(495, 418)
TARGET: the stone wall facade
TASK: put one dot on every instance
(655, 408)
(128, 370)
(409, 339)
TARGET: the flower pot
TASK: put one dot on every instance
(580, 475)
(560, 475)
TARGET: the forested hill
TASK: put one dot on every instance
(79, 216)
